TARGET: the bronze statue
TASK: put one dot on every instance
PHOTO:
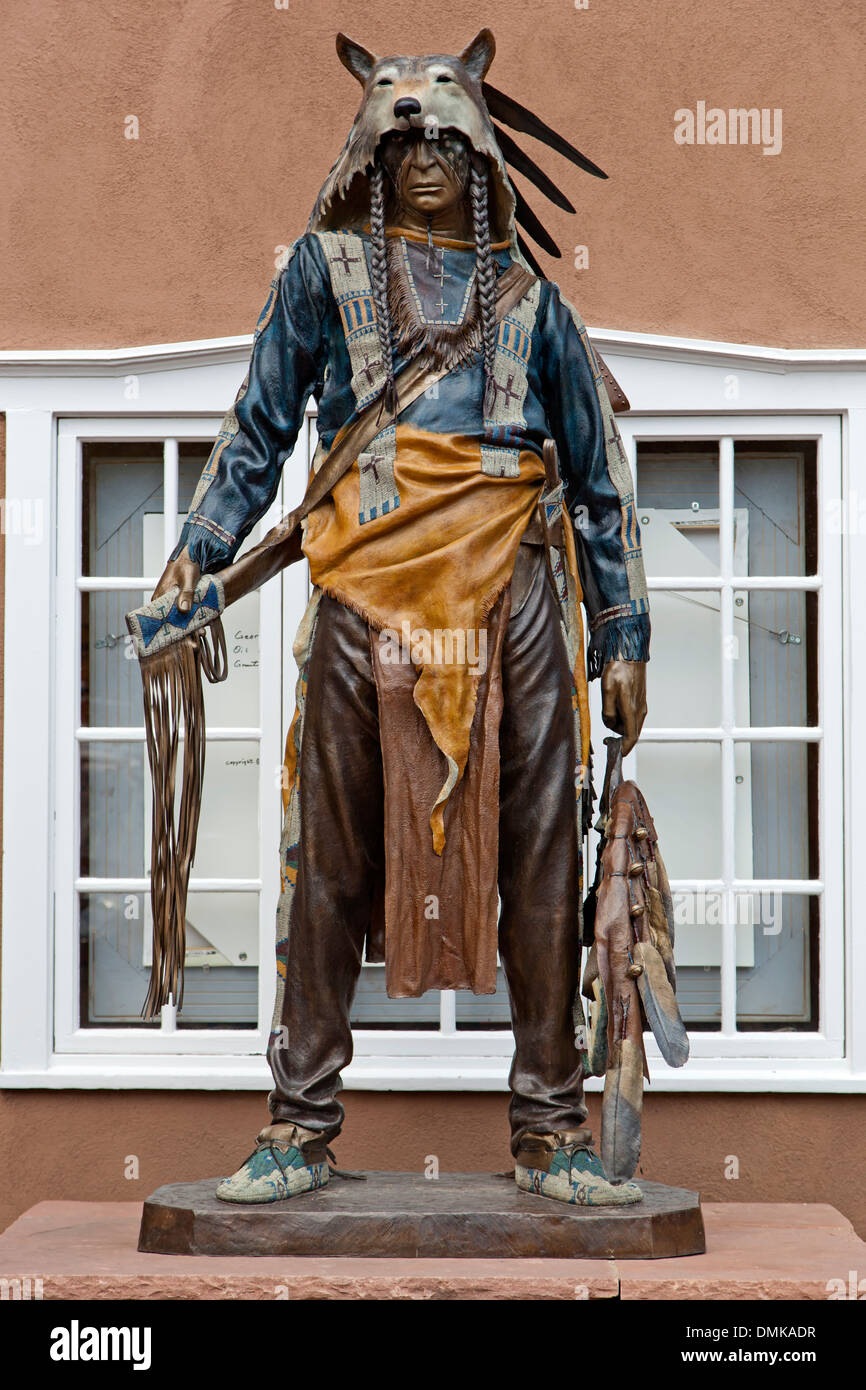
(469, 492)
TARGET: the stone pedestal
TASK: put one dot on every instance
(86, 1250)
(400, 1215)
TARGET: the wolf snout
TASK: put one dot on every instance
(406, 108)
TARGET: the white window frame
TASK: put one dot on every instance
(678, 387)
(724, 431)
(70, 738)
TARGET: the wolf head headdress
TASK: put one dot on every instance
(441, 93)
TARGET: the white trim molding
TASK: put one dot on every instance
(690, 388)
(44, 362)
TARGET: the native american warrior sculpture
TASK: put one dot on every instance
(439, 753)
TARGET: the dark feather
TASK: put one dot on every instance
(504, 108)
(660, 1006)
(529, 258)
(531, 225)
(520, 160)
(660, 935)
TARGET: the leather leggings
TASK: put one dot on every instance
(341, 867)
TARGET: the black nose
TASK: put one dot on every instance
(406, 107)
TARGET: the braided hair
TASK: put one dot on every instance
(485, 277)
(379, 282)
(485, 270)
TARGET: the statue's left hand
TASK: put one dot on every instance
(623, 700)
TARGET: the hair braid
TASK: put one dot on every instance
(379, 282)
(485, 270)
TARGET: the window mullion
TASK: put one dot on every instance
(728, 982)
(447, 1011)
(169, 494)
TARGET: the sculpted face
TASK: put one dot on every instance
(429, 176)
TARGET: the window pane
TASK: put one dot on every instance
(776, 633)
(678, 473)
(116, 810)
(113, 979)
(678, 502)
(484, 1010)
(699, 915)
(776, 483)
(699, 996)
(115, 789)
(121, 483)
(373, 1009)
(228, 831)
(234, 702)
(780, 990)
(110, 678)
(221, 984)
(682, 786)
(681, 695)
(776, 809)
(192, 455)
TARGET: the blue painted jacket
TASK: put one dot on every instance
(300, 350)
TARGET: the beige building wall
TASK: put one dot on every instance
(241, 109)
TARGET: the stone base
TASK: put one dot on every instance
(404, 1215)
(86, 1250)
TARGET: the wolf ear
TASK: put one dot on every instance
(479, 54)
(358, 60)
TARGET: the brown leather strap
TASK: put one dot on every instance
(617, 397)
(282, 545)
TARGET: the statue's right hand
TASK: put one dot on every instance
(182, 573)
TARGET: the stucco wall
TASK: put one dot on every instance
(242, 108)
(790, 1148)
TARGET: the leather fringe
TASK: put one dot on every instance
(446, 345)
(204, 548)
(624, 639)
(172, 686)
